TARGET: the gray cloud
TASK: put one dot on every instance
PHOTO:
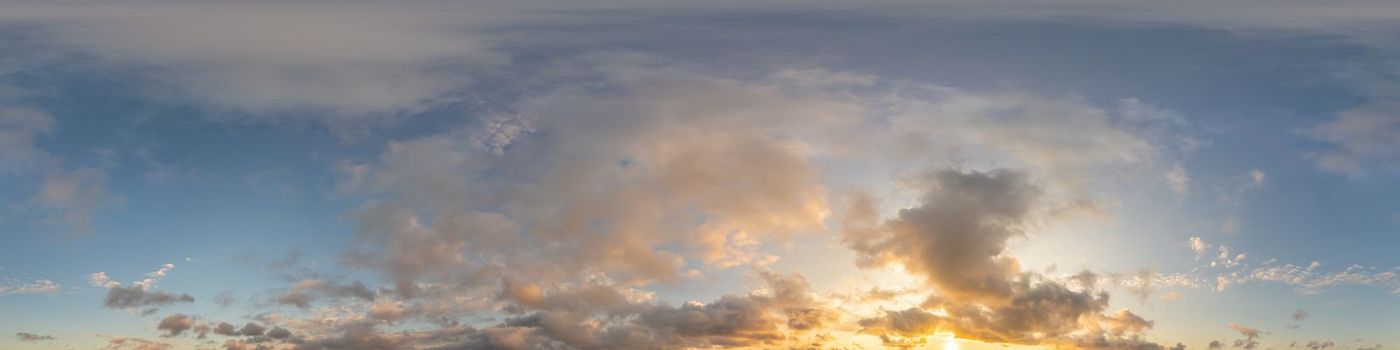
(279, 333)
(1296, 318)
(137, 297)
(1251, 337)
(956, 239)
(226, 329)
(31, 337)
(252, 330)
(1319, 345)
(266, 60)
(785, 313)
(303, 293)
(683, 148)
(174, 325)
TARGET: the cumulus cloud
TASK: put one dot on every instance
(175, 324)
(649, 174)
(252, 329)
(646, 174)
(956, 239)
(279, 333)
(634, 171)
(140, 295)
(224, 328)
(1251, 337)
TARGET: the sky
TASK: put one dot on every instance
(616, 174)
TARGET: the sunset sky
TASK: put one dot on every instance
(772, 174)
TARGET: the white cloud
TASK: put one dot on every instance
(100, 279)
(43, 286)
(1198, 246)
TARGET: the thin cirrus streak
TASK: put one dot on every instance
(720, 175)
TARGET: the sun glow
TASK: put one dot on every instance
(950, 343)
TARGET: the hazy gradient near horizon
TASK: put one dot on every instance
(1063, 174)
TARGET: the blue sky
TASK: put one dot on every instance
(626, 175)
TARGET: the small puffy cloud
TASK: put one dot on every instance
(252, 329)
(1256, 177)
(175, 324)
(1298, 316)
(1198, 246)
(1224, 258)
(279, 333)
(100, 279)
(1251, 337)
(224, 328)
